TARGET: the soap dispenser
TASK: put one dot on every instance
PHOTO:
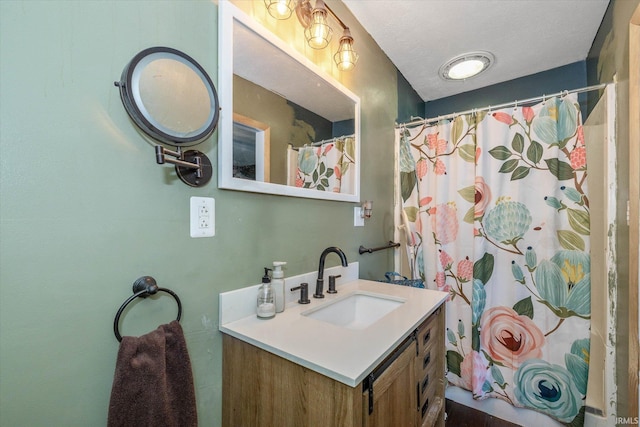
(278, 285)
(265, 307)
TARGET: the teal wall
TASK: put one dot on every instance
(85, 210)
(567, 77)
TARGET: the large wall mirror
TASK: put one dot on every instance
(286, 126)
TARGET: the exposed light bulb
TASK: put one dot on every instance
(318, 33)
(346, 57)
(280, 9)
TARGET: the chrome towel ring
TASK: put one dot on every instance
(143, 287)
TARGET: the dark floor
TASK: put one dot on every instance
(463, 416)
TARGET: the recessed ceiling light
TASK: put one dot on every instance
(466, 65)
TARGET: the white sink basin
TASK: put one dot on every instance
(357, 310)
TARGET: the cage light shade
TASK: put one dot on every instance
(346, 57)
(280, 9)
(318, 33)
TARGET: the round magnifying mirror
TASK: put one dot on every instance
(169, 96)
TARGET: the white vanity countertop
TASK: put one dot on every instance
(345, 355)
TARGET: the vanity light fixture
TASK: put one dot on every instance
(317, 31)
(280, 9)
(467, 65)
(346, 57)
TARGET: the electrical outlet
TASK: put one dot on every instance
(358, 220)
(202, 217)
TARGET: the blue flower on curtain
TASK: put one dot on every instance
(548, 387)
(328, 167)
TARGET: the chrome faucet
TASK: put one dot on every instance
(320, 280)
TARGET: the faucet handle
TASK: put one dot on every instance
(332, 284)
(304, 293)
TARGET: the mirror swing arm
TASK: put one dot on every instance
(193, 167)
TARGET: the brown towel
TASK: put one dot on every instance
(153, 383)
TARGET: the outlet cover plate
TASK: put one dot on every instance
(358, 221)
(202, 217)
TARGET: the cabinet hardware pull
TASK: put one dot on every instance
(427, 337)
(425, 383)
(424, 407)
(426, 360)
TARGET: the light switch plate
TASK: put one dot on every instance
(202, 217)
(358, 221)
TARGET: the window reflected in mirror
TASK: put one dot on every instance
(251, 149)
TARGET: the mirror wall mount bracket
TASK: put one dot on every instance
(192, 166)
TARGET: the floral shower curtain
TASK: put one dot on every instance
(497, 208)
(328, 167)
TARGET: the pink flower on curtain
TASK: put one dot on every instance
(474, 371)
(478, 153)
(510, 338)
(441, 281)
(578, 157)
(441, 148)
(299, 179)
(432, 141)
(444, 222)
(425, 201)
(421, 168)
(482, 197)
(440, 168)
(503, 117)
(528, 114)
(445, 260)
(328, 148)
(465, 270)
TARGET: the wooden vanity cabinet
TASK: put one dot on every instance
(407, 389)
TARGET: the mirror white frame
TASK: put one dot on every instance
(228, 17)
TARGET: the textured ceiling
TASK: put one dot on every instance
(526, 36)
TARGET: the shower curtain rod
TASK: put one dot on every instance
(324, 141)
(420, 121)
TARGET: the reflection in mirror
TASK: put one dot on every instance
(311, 122)
(251, 149)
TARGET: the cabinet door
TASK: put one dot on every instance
(390, 400)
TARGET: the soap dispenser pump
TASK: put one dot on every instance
(278, 285)
(265, 306)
